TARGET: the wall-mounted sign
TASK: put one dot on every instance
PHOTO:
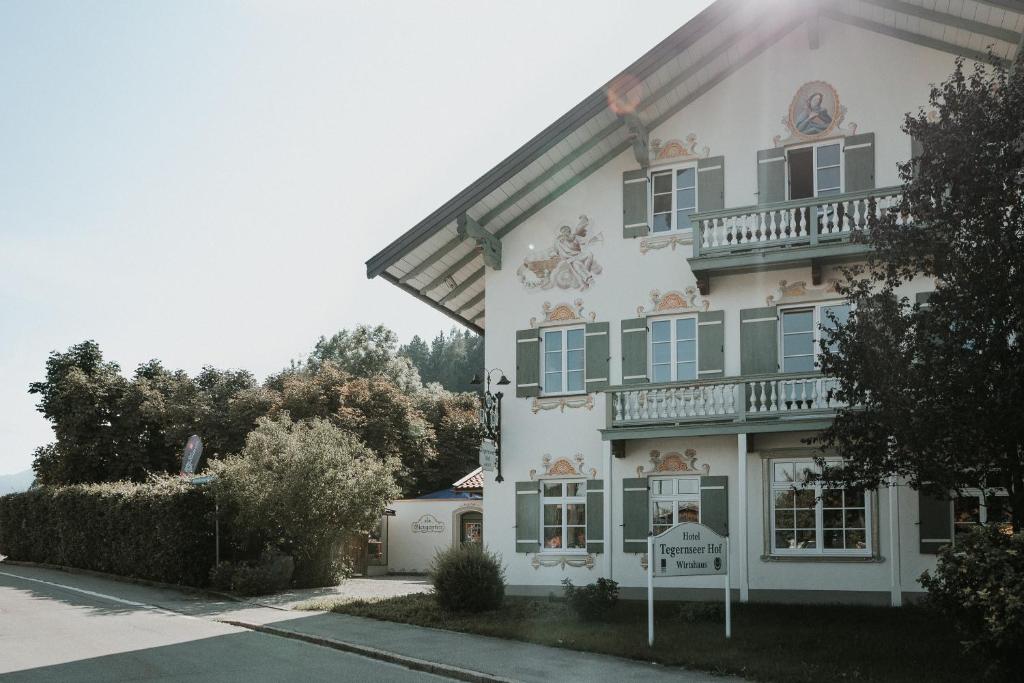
(488, 455)
(689, 549)
(190, 458)
(428, 524)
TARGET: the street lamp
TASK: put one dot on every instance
(490, 414)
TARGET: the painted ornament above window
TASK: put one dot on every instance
(568, 264)
(678, 150)
(814, 113)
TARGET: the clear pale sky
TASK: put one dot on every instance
(201, 182)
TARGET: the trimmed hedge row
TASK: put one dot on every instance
(162, 531)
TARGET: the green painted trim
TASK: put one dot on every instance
(772, 257)
(705, 429)
(989, 30)
(472, 302)
(488, 244)
(432, 259)
(909, 36)
(433, 304)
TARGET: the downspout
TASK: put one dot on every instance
(896, 589)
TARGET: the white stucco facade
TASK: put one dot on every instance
(420, 528)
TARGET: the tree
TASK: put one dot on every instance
(366, 352)
(451, 360)
(456, 424)
(937, 390)
(301, 487)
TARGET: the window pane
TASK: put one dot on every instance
(854, 519)
(575, 514)
(661, 487)
(805, 498)
(574, 360)
(785, 519)
(686, 177)
(828, 155)
(575, 381)
(662, 222)
(967, 510)
(552, 383)
(553, 514)
(553, 537)
(855, 498)
(840, 311)
(662, 203)
(686, 199)
(553, 362)
(686, 350)
(574, 339)
(798, 344)
(662, 182)
(783, 471)
(785, 540)
(686, 371)
(857, 539)
(832, 519)
(575, 488)
(683, 219)
(834, 539)
(661, 373)
(806, 539)
(577, 537)
(797, 321)
(689, 512)
(661, 352)
(662, 513)
(798, 364)
(553, 490)
(553, 340)
(688, 486)
(686, 328)
(828, 179)
(661, 330)
(784, 499)
(832, 498)
(805, 519)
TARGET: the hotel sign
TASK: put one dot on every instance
(689, 549)
(428, 524)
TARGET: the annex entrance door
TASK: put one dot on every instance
(471, 527)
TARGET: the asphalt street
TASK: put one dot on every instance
(64, 627)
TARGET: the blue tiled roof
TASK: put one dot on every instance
(452, 494)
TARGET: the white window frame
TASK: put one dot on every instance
(563, 500)
(817, 308)
(675, 497)
(673, 341)
(675, 195)
(982, 507)
(565, 360)
(819, 533)
(814, 165)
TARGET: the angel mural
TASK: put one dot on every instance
(568, 264)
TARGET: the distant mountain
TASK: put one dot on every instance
(19, 481)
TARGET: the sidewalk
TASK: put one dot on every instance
(496, 657)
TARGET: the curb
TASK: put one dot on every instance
(448, 670)
(127, 579)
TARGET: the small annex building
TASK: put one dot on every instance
(412, 531)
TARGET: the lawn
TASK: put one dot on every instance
(769, 642)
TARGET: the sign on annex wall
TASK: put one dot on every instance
(689, 549)
(428, 524)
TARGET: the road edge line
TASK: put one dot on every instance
(414, 663)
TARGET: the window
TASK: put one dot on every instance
(675, 198)
(674, 349)
(815, 171)
(810, 519)
(971, 508)
(802, 328)
(564, 515)
(674, 500)
(563, 361)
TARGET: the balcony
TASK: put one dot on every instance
(763, 403)
(811, 232)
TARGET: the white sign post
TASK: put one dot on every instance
(687, 549)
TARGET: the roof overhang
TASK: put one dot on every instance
(443, 264)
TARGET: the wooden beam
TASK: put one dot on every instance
(947, 19)
(471, 303)
(638, 138)
(463, 287)
(488, 243)
(433, 304)
(456, 267)
(908, 36)
(432, 259)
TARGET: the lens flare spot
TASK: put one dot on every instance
(624, 95)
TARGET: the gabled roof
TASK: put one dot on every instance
(433, 263)
(473, 480)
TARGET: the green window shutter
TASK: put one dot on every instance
(527, 363)
(711, 184)
(636, 517)
(595, 516)
(634, 351)
(759, 341)
(936, 522)
(710, 344)
(527, 517)
(596, 362)
(714, 504)
(634, 203)
(923, 298)
(859, 162)
(771, 175)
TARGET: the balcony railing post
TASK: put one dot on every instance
(740, 390)
(698, 237)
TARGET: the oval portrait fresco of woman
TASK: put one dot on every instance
(813, 112)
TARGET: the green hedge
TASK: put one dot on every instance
(162, 531)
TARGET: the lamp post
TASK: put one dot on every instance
(490, 414)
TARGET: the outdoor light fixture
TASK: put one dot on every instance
(490, 414)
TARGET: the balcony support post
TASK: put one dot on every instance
(741, 521)
(703, 283)
(816, 272)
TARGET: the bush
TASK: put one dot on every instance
(979, 582)
(161, 530)
(468, 578)
(593, 602)
(303, 487)
(272, 573)
(220, 575)
(696, 612)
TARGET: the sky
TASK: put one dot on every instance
(202, 182)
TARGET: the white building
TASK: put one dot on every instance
(652, 270)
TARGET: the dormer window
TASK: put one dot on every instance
(674, 198)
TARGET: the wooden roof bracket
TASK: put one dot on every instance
(489, 244)
(639, 138)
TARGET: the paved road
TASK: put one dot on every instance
(63, 627)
